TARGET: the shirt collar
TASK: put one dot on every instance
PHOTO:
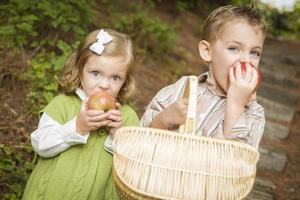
(81, 94)
(206, 78)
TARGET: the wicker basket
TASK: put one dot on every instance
(152, 163)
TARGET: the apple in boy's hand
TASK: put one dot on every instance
(102, 100)
(243, 68)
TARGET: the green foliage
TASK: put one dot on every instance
(42, 31)
(150, 34)
(34, 23)
(43, 74)
(154, 36)
(14, 170)
(281, 23)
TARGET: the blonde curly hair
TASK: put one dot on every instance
(121, 46)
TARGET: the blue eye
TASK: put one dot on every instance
(116, 78)
(94, 73)
(255, 53)
(233, 49)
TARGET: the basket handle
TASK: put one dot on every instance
(190, 92)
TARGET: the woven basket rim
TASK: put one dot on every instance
(226, 141)
(180, 169)
(125, 186)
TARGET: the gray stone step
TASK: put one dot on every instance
(267, 64)
(278, 94)
(289, 58)
(276, 111)
(272, 159)
(262, 190)
(279, 79)
(275, 130)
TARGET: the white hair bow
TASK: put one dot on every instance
(103, 38)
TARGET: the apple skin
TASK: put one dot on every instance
(259, 74)
(102, 101)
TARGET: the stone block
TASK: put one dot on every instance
(278, 94)
(276, 111)
(275, 130)
(272, 159)
(262, 190)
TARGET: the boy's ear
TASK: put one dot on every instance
(204, 50)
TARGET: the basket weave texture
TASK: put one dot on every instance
(153, 163)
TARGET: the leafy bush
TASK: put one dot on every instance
(281, 23)
(43, 74)
(36, 24)
(151, 35)
(14, 170)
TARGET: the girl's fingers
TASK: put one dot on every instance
(114, 112)
(115, 124)
(100, 117)
(84, 105)
(94, 113)
(118, 106)
(115, 118)
(99, 124)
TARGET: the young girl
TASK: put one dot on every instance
(227, 106)
(71, 139)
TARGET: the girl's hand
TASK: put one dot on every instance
(175, 113)
(88, 120)
(116, 119)
(241, 87)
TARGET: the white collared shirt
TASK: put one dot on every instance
(52, 138)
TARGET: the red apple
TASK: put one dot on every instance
(243, 67)
(103, 101)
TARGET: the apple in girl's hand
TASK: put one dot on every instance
(102, 100)
(243, 68)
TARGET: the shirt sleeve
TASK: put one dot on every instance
(52, 138)
(250, 126)
(130, 118)
(163, 99)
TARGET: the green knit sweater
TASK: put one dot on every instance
(83, 171)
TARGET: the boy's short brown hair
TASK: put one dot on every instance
(219, 17)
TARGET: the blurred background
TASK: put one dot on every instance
(36, 38)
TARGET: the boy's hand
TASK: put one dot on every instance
(174, 114)
(88, 120)
(116, 119)
(241, 87)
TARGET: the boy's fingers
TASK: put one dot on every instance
(254, 79)
(249, 72)
(238, 71)
(231, 75)
(185, 101)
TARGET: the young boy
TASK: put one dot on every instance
(226, 103)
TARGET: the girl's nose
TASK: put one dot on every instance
(103, 83)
